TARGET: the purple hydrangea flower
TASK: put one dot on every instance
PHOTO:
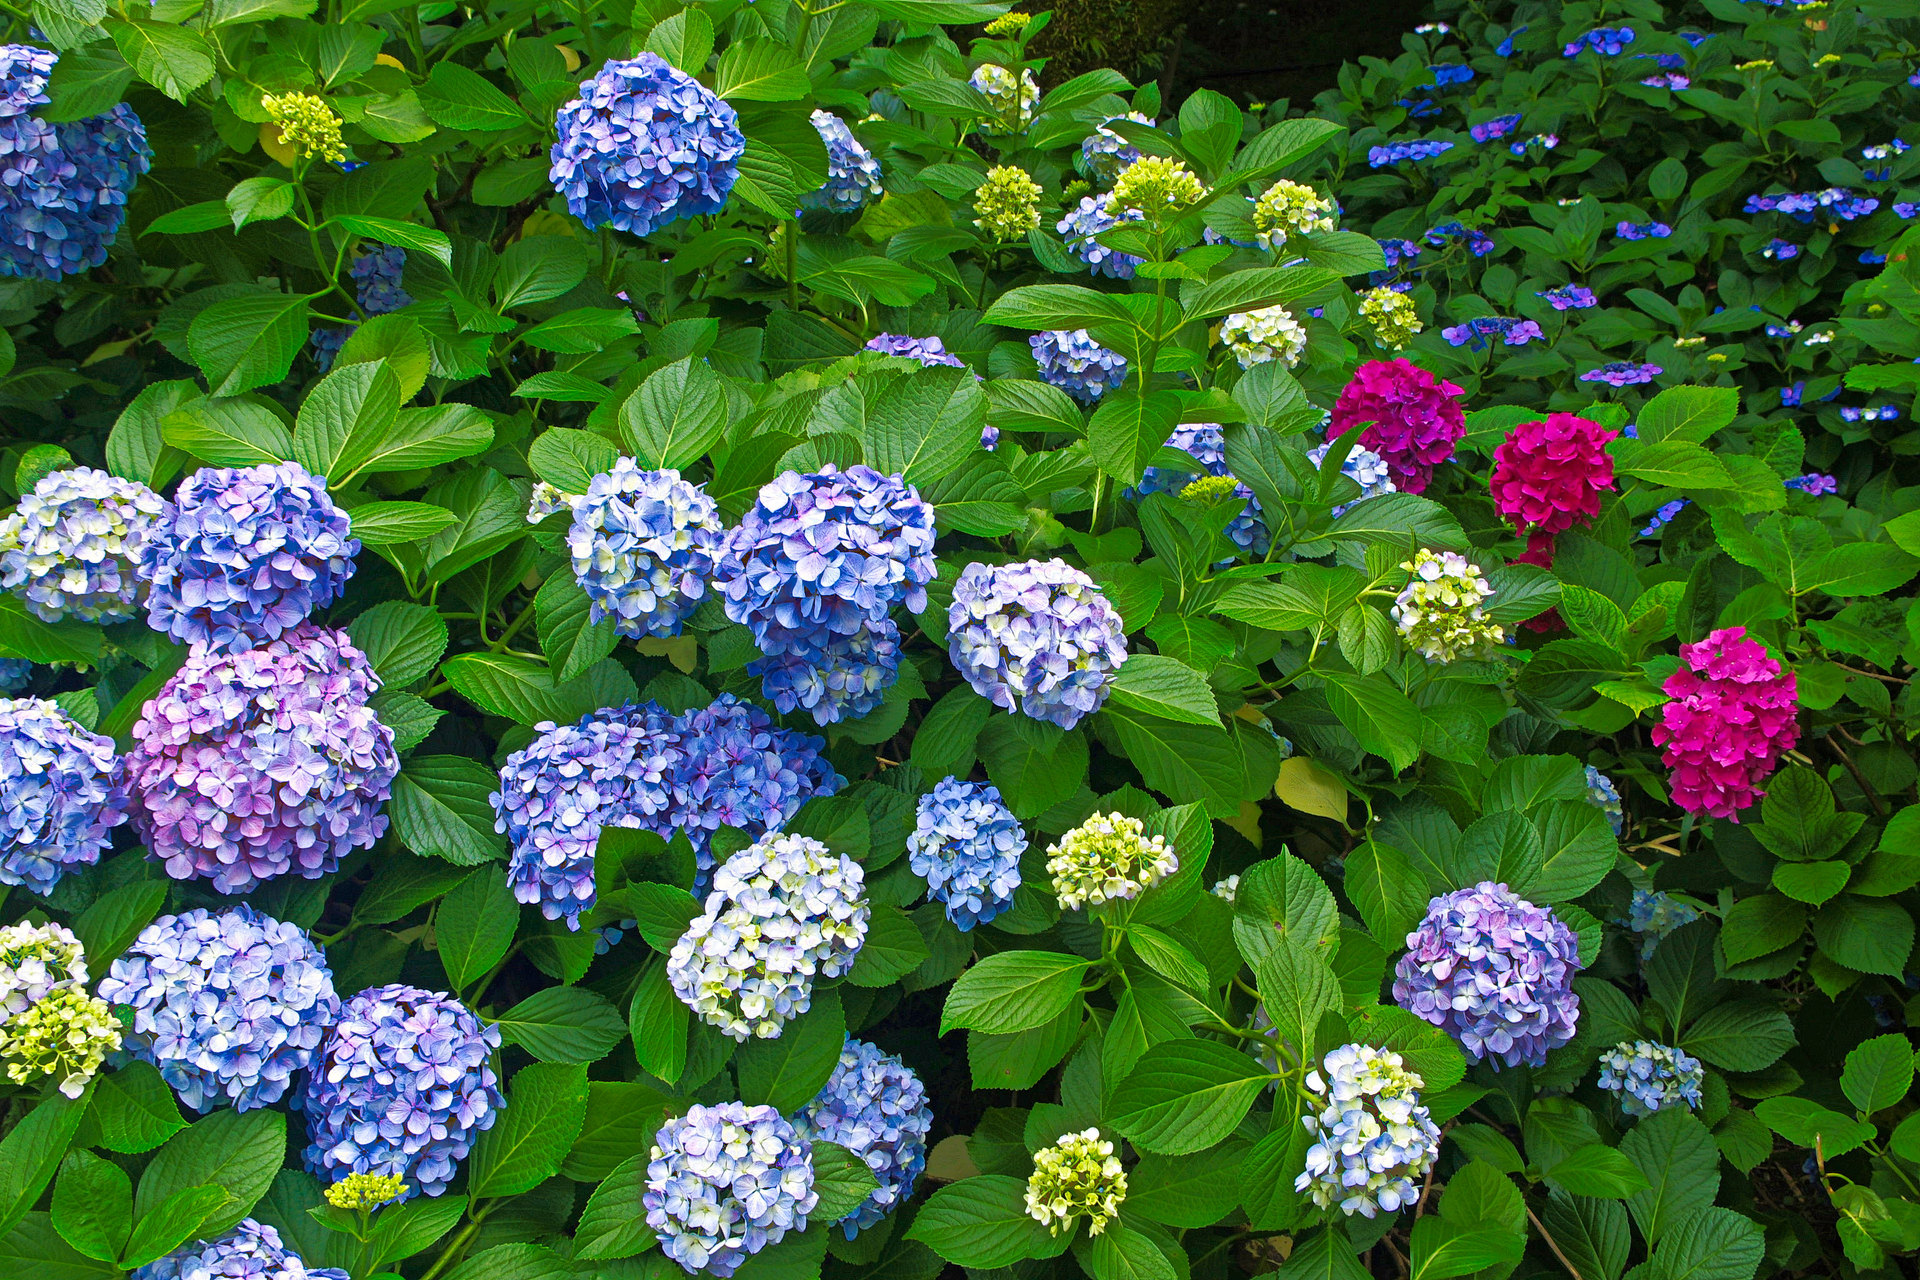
(644, 545)
(966, 844)
(1495, 972)
(643, 145)
(1205, 443)
(1642, 230)
(1072, 361)
(1905, 210)
(1362, 466)
(1664, 516)
(1480, 333)
(844, 678)
(1869, 413)
(15, 674)
(1621, 373)
(989, 437)
(1037, 635)
(1094, 215)
(928, 351)
(1478, 242)
(1570, 297)
(61, 794)
(1399, 251)
(740, 770)
(1544, 141)
(251, 1251)
(725, 1182)
(262, 763)
(1671, 80)
(73, 545)
(227, 1005)
(1782, 250)
(402, 1086)
(376, 277)
(1606, 41)
(1394, 152)
(1836, 203)
(1813, 484)
(244, 553)
(875, 1107)
(1498, 127)
(853, 175)
(1651, 1077)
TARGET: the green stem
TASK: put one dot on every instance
(457, 1245)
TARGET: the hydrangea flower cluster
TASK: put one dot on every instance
(875, 1107)
(1156, 185)
(66, 1036)
(1394, 152)
(1289, 208)
(1569, 297)
(402, 1086)
(1072, 361)
(37, 960)
(1642, 230)
(1732, 715)
(15, 674)
(1036, 635)
(1392, 316)
(61, 794)
(741, 770)
(1441, 613)
(1479, 334)
(1478, 242)
(63, 187)
(1604, 796)
(1495, 972)
(1653, 914)
(1548, 474)
(644, 545)
(1266, 333)
(645, 144)
(1606, 41)
(1834, 204)
(1205, 443)
(72, 547)
(1108, 858)
(242, 554)
(262, 763)
(928, 351)
(1412, 418)
(376, 276)
(1622, 373)
(1544, 141)
(1362, 466)
(1008, 202)
(1013, 98)
(1494, 129)
(853, 175)
(1372, 1139)
(1077, 1177)
(966, 844)
(1104, 153)
(725, 1182)
(846, 678)
(308, 126)
(782, 912)
(1651, 1077)
(1093, 215)
(226, 1005)
(251, 1251)
(1813, 484)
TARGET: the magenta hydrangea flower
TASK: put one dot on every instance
(1548, 474)
(1413, 418)
(1731, 718)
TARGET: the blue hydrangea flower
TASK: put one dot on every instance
(846, 678)
(1651, 1077)
(1478, 335)
(1569, 297)
(262, 763)
(1038, 636)
(853, 175)
(376, 276)
(251, 1251)
(1373, 1139)
(15, 674)
(644, 545)
(1664, 516)
(1206, 444)
(63, 187)
(966, 844)
(72, 547)
(875, 1107)
(643, 145)
(1653, 914)
(1362, 466)
(782, 912)
(402, 1087)
(1622, 373)
(1642, 230)
(1604, 796)
(242, 554)
(1394, 152)
(1093, 215)
(1781, 250)
(1607, 41)
(1448, 74)
(725, 1182)
(227, 1005)
(1496, 128)
(740, 770)
(1478, 242)
(1834, 204)
(928, 351)
(1860, 413)
(1495, 972)
(325, 345)
(1072, 361)
(1104, 153)
(61, 794)
(1813, 484)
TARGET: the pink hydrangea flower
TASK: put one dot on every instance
(1548, 475)
(1414, 418)
(1731, 719)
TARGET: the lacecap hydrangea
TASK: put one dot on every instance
(1732, 714)
(782, 913)
(853, 175)
(1495, 972)
(644, 144)
(1072, 361)
(1205, 443)
(72, 547)
(644, 545)
(226, 1005)
(61, 794)
(251, 1251)
(1108, 858)
(1651, 1077)
(1037, 636)
(874, 1106)
(242, 554)
(267, 762)
(725, 1182)
(966, 844)
(402, 1086)
(1373, 1137)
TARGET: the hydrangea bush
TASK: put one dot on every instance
(633, 636)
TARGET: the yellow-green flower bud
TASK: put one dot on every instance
(307, 124)
(1154, 184)
(365, 1190)
(1009, 24)
(1208, 490)
(1392, 315)
(1008, 203)
(1106, 858)
(1289, 208)
(1076, 1177)
(67, 1036)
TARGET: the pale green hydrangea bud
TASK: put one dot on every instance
(1392, 315)
(1009, 24)
(1107, 858)
(1289, 208)
(1076, 1177)
(307, 124)
(66, 1036)
(1157, 184)
(1440, 611)
(366, 1190)
(1008, 203)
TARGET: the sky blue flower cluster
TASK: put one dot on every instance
(1393, 153)
(1093, 215)
(243, 553)
(928, 351)
(643, 145)
(1072, 361)
(226, 1005)
(966, 844)
(267, 762)
(1569, 297)
(72, 547)
(61, 794)
(1603, 795)
(1608, 42)
(1206, 444)
(251, 1251)
(782, 912)
(874, 1106)
(853, 175)
(644, 545)
(1036, 635)
(402, 1087)
(1495, 972)
(1480, 334)
(1362, 466)
(1373, 1138)
(726, 1181)
(63, 187)
(1653, 914)
(1104, 153)
(1651, 1077)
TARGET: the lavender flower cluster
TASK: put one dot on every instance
(1607, 41)
(251, 1251)
(930, 352)
(1093, 215)
(1205, 443)
(644, 545)
(1072, 361)
(72, 547)
(1569, 297)
(1372, 1138)
(725, 1182)
(1651, 1077)
(1037, 636)
(1623, 373)
(61, 794)
(853, 175)
(874, 1106)
(966, 844)
(1479, 334)
(1362, 466)
(1834, 203)
(1393, 153)
(1642, 230)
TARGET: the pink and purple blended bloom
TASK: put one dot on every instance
(1731, 718)
(1412, 418)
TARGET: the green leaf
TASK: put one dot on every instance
(247, 342)
(403, 641)
(572, 643)
(513, 1262)
(173, 59)
(1055, 306)
(1186, 1095)
(663, 912)
(136, 447)
(1195, 1190)
(1871, 935)
(1254, 288)
(841, 1179)
(228, 432)
(610, 1226)
(387, 524)
(786, 1072)
(981, 1222)
(404, 235)
(1165, 687)
(458, 98)
(1878, 1073)
(545, 1109)
(1596, 1170)
(93, 1206)
(676, 415)
(1297, 985)
(24, 636)
(475, 925)
(621, 1121)
(240, 1151)
(1122, 1253)
(1688, 414)
(564, 1025)
(893, 949)
(402, 1230)
(1682, 1167)
(1710, 1244)
(171, 1223)
(658, 1022)
(570, 459)
(1761, 925)
(759, 71)
(1013, 991)
(525, 691)
(924, 426)
(345, 417)
(1382, 719)
(259, 200)
(134, 1109)
(440, 808)
(1128, 428)
(31, 1152)
(1592, 1233)
(1739, 1035)
(33, 1250)
(1193, 764)
(685, 39)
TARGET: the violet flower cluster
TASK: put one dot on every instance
(1373, 1139)
(1494, 129)
(1093, 215)
(1642, 230)
(1393, 153)
(61, 794)
(1480, 333)
(741, 770)
(1732, 714)
(251, 1251)
(1651, 1077)
(1205, 443)
(1833, 204)
(1362, 466)
(72, 547)
(1623, 373)
(1495, 972)
(874, 1106)
(644, 546)
(928, 351)
(226, 1005)
(1038, 636)
(1607, 41)
(725, 1182)
(1072, 361)
(376, 276)
(1569, 297)
(853, 175)
(966, 844)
